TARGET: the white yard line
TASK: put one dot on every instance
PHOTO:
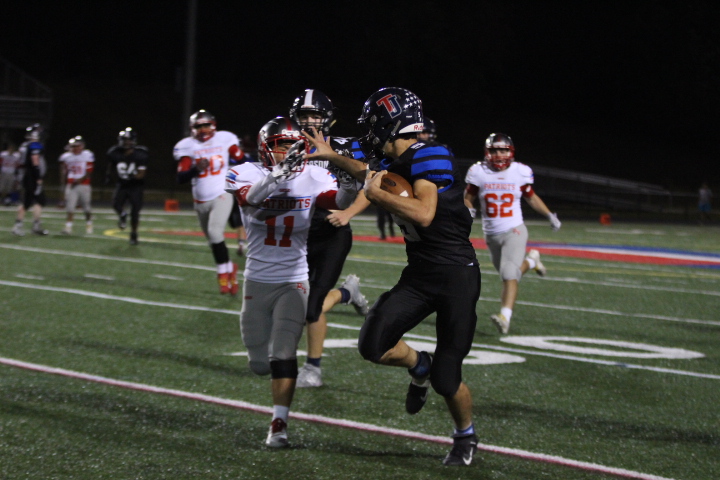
(334, 422)
(139, 301)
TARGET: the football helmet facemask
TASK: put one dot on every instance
(279, 130)
(499, 151)
(34, 132)
(202, 124)
(313, 102)
(127, 138)
(388, 113)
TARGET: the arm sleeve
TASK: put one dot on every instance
(346, 196)
(236, 155)
(527, 191)
(261, 190)
(327, 200)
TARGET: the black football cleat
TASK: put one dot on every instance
(462, 451)
(416, 397)
(417, 393)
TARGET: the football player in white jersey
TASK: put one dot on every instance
(76, 167)
(203, 159)
(10, 161)
(277, 198)
(499, 182)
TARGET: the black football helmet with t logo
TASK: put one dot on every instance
(388, 113)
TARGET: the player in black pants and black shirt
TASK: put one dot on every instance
(329, 241)
(442, 275)
(129, 161)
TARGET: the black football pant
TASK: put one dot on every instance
(326, 256)
(451, 291)
(133, 195)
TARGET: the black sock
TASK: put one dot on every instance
(345, 295)
(422, 367)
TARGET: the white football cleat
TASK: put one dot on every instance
(502, 323)
(66, 231)
(89, 228)
(357, 299)
(539, 267)
(277, 435)
(18, 230)
(309, 376)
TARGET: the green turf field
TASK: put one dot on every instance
(151, 315)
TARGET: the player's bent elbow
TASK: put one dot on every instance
(425, 223)
(425, 219)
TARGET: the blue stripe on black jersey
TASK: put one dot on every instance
(446, 240)
(437, 150)
(433, 164)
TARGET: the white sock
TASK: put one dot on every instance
(222, 268)
(507, 312)
(229, 266)
(280, 411)
(68, 225)
(531, 263)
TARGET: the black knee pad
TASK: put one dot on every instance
(444, 385)
(370, 342)
(446, 374)
(284, 368)
(367, 346)
(367, 349)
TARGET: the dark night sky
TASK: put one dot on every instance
(631, 91)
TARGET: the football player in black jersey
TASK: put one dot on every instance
(34, 168)
(330, 238)
(129, 161)
(442, 275)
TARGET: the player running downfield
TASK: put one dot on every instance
(277, 199)
(499, 182)
(76, 167)
(203, 160)
(442, 275)
(129, 162)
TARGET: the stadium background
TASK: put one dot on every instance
(628, 91)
